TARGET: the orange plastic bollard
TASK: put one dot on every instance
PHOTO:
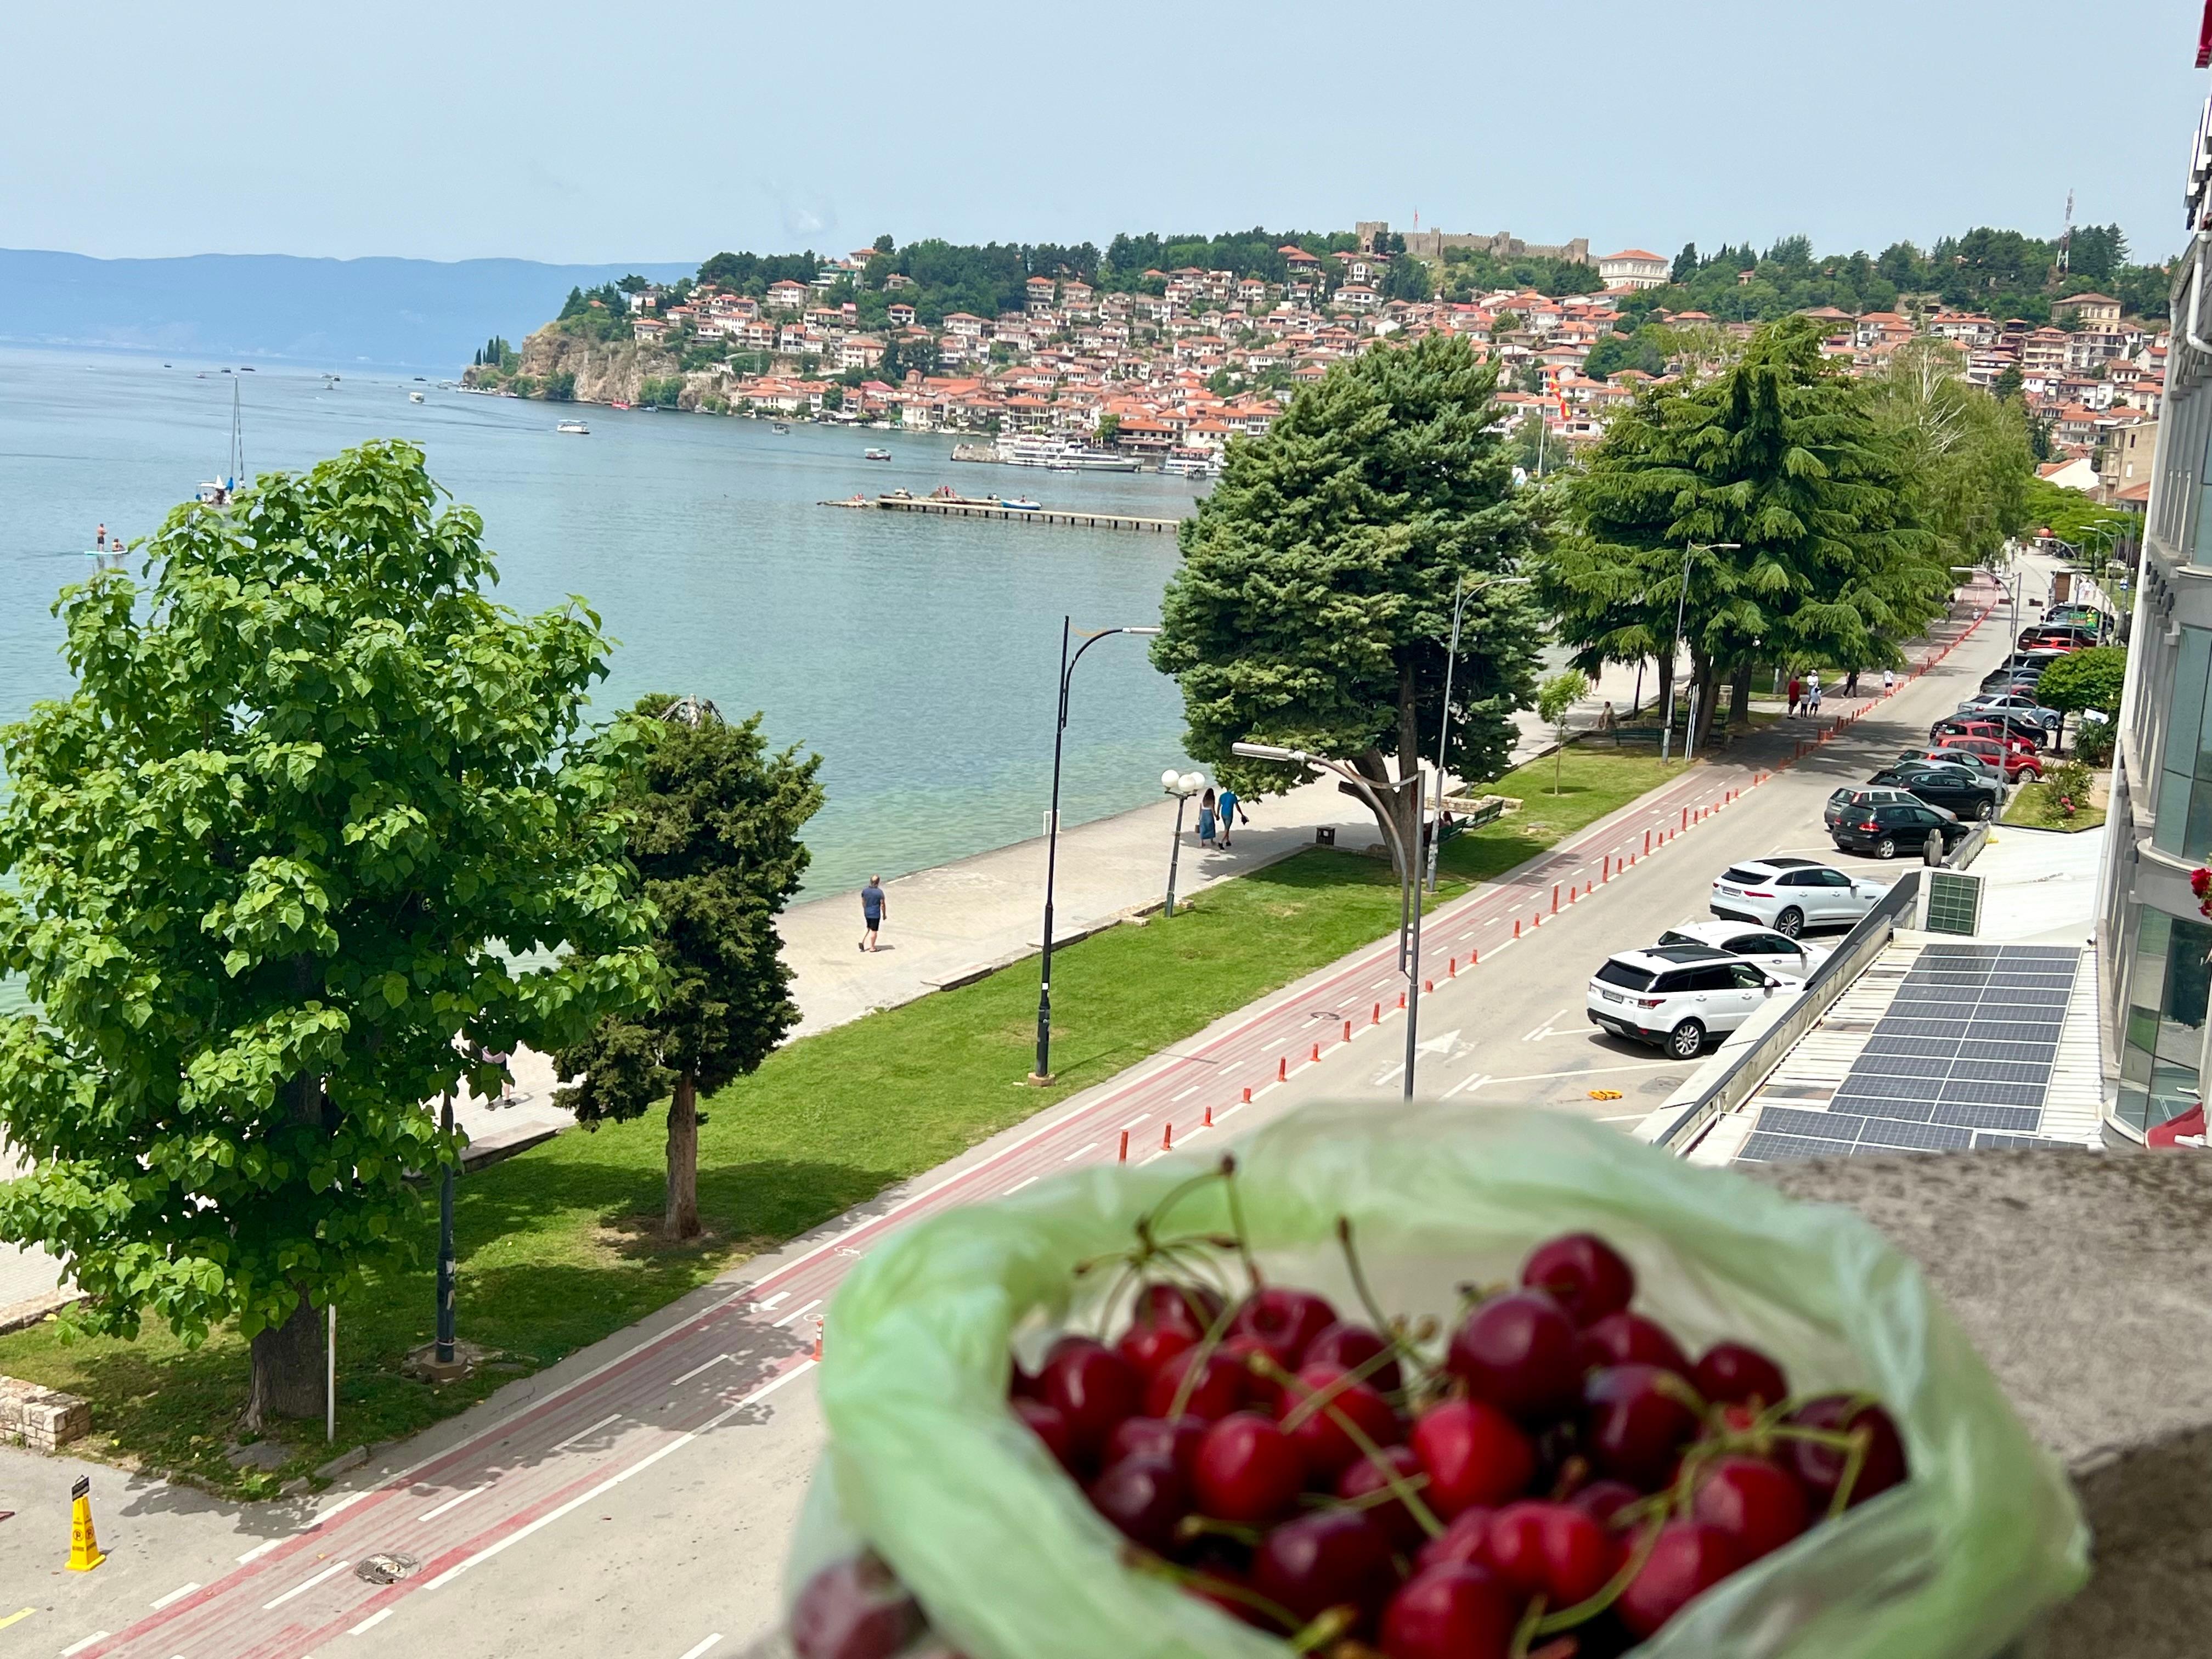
(1167, 1137)
(1428, 987)
(818, 1339)
(1125, 1146)
(1402, 999)
(1209, 1117)
(1248, 1094)
(1347, 1030)
(1451, 969)
(1517, 928)
(1378, 1013)
(1316, 1051)
(1473, 956)
(1685, 817)
(1283, 1069)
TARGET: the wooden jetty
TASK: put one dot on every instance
(971, 506)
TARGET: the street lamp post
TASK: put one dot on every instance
(1681, 601)
(1444, 718)
(1183, 786)
(1409, 874)
(1043, 1072)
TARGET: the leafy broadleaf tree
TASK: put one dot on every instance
(1968, 452)
(1555, 699)
(2084, 679)
(1313, 607)
(714, 831)
(263, 853)
(1782, 455)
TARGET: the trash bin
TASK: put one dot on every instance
(1325, 834)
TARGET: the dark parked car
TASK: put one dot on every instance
(1886, 831)
(2044, 637)
(1968, 792)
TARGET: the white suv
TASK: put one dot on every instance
(1677, 995)
(1787, 959)
(1790, 894)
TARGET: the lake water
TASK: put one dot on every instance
(917, 655)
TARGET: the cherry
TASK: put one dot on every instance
(1552, 1550)
(1047, 1423)
(1148, 1347)
(1283, 1321)
(1167, 1319)
(1328, 1450)
(1519, 1352)
(1145, 1497)
(1261, 1391)
(1636, 1429)
(1601, 1500)
(1474, 1454)
(1329, 1558)
(855, 1609)
(1021, 1385)
(1465, 1540)
(1688, 1559)
(1453, 1611)
(1756, 1502)
(1352, 1346)
(1584, 1274)
(1731, 1374)
(1364, 1477)
(1221, 1388)
(1626, 1338)
(1156, 1436)
(1821, 1468)
(1246, 1470)
(1089, 1385)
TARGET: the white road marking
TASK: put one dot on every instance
(1269, 1090)
(795, 1312)
(781, 1296)
(695, 1370)
(1461, 1087)
(694, 1653)
(1080, 1151)
(613, 1481)
(81, 1646)
(564, 1444)
(1018, 1185)
(371, 1622)
(455, 1503)
(176, 1594)
(1185, 1095)
(1142, 1117)
(259, 1549)
(330, 1571)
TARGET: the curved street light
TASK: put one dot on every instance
(1043, 1072)
(1409, 874)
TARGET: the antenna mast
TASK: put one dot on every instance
(2066, 237)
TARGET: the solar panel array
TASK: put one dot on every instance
(1962, 1060)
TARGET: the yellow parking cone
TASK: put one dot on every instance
(84, 1548)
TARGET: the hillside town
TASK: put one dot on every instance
(1166, 370)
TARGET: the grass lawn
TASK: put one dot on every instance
(557, 1246)
(2035, 807)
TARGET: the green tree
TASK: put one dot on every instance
(1409, 279)
(1685, 262)
(2084, 679)
(1781, 455)
(1110, 430)
(1968, 453)
(1313, 606)
(1641, 351)
(1555, 698)
(714, 823)
(313, 800)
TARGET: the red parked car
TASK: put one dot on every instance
(2017, 758)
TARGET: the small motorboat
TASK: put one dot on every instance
(414, 397)
(778, 427)
(1019, 504)
(875, 454)
(575, 427)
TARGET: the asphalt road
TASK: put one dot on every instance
(636, 1499)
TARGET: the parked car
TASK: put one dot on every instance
(1676, 996)
(1967, 791)
(1791, 894)
(1987, 770)
(2014, 758)
(1861, 798)
(1996, 725)
(1892, 827)
(2061, 640)
(1790, 960)
(1991, 703)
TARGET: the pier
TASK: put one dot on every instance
(969, 507)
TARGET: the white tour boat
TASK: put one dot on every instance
(1061, 454)
(576, 426)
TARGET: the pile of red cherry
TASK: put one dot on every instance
(1558, 1481)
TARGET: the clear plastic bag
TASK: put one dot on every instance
(927, 1464)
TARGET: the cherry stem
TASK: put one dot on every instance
(1237, 1217)
(1145, 1562)
(1366, 1500)
(1531, 1623)
(1194, 1527)
(1318, 1399)
(1195, 1367)
(1390, 1330)
(1854, 1465)
(1264, 1365)
(1583, 1612)
(1331, 1623)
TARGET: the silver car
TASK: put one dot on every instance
(1788, 959)
(1791, 894)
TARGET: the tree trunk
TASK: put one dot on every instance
(1664, 665)
(1739, 698)
(288, 1369)
(1707, 681)
(681, 1220)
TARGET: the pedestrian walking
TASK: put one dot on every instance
(1205, 819)
(1812, 696)
(1888, 681)
(1796, 690)
(1230, 806)
(875, 905)
(1851, 683)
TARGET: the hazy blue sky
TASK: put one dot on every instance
(605, 131)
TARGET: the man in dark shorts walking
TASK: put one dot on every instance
(875, 905)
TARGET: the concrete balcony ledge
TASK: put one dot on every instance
(2081, 1278)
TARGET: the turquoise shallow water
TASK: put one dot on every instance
(917, 655)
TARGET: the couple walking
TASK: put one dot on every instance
(1229, 810)
(1805, 689)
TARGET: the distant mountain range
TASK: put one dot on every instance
(326, 314)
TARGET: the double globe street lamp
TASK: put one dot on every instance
(1183, 786)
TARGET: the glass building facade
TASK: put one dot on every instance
(2155, 943)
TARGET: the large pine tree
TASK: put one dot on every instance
(1313, 607)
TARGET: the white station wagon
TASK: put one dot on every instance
(1677, 995)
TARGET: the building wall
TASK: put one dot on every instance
(2154, 943)
(1432, 243)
